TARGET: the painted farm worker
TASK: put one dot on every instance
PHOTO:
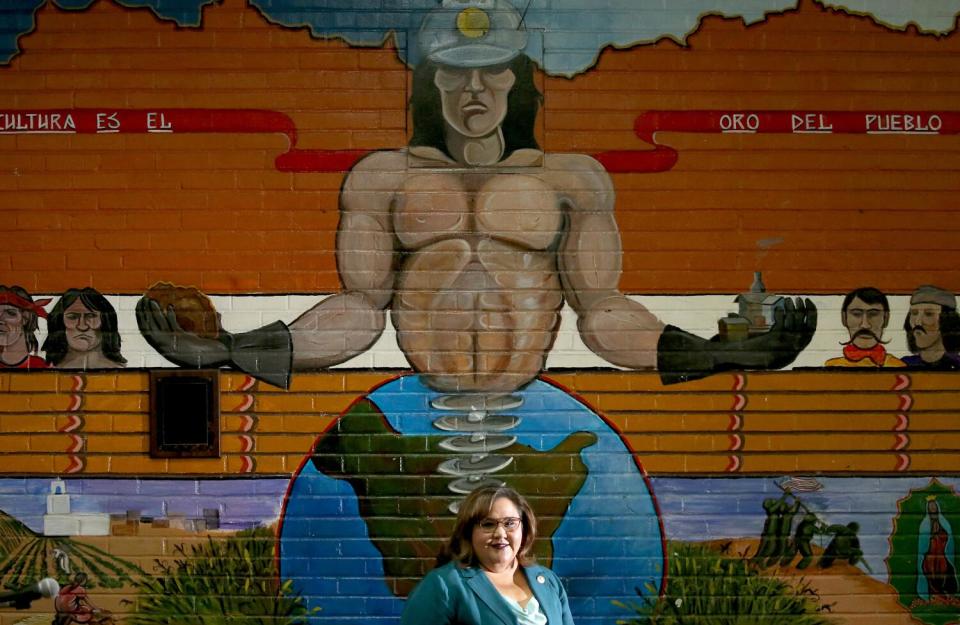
(72, 603)
(845, 545)
(933, 330)
(486, 574)
(938, 572)
(18, 328)
(82, 332)
(865, 314)
(474, 238)
(808, 527)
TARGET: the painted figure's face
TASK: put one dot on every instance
(474, 100)
(925, 324)
(496, 539)
(865, 322)
(11, 325)
(83, 327)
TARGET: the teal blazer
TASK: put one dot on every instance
(451, 595)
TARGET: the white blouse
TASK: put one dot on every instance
(529, 616)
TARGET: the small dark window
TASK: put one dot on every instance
(184, 414)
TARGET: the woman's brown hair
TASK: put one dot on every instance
(475, 508)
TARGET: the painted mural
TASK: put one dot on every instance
(901, 551)
(597, 233)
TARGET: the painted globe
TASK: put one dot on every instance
(370, 506)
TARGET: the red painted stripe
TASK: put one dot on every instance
(734, 464)
(739, 402)
(739, 382)
(74, 422)
(736, 423)
(76, 402)
(906, 402)
(245, 404)
(903, 422)
(901, 382)
(903, 462)
(76, 465)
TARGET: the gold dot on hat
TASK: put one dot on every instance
(473, 23)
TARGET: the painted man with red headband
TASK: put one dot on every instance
(18, 327)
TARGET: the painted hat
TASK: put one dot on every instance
(472, 33)
(929, 294)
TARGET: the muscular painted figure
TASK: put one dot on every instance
(473, 238)
(476, 264)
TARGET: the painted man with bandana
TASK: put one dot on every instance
(933, 330)
(18, 327)
(474, 238)
(865, 314)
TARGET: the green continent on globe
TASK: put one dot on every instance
(405, 501)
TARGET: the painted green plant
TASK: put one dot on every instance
(705, 588)
(233, 580)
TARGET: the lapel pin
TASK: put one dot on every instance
(541, 579)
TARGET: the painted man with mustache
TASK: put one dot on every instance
(865, 313)
(933, 330)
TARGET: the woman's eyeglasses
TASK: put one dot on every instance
(489, 526)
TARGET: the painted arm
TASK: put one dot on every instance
(348, 323)
(622, 331)
(338, 328)
(616, 328)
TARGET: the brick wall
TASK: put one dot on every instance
(235, 136)
(131, 209)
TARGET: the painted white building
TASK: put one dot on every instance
(59, 521)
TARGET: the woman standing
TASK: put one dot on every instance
(487, 575)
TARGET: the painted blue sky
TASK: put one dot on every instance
(566, 35)
(242, 503)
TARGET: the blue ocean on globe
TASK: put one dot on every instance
(608, 546)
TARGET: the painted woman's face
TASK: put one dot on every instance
(474, 100)
(83, 327)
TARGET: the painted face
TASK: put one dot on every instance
(83, 327)
(11, 325)
(474, 100)
(925, 324)
(496, 539)
(865, 322)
